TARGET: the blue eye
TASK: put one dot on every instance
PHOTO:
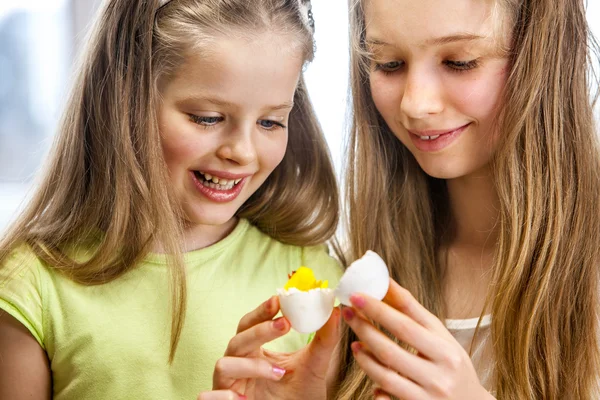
(206, 121)
(270, 125)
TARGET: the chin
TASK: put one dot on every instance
(441, 171)
(214, 218)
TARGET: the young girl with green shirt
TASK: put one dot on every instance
(189, 177)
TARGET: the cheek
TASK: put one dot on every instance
(174, 151)
(179, 151)
(272, 152)
(177, 141)
(386, 94)
(479, 98)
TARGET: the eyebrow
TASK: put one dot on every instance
(224, 103)
(458, 37)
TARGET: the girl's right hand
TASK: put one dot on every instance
(247, 371)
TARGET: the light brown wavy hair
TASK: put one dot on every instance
(107, 174)
(544, 291)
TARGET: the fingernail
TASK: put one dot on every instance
(348, 313)
(278, 372)
(242, 396)
(279, 324)
(357, 301)
(356, 347)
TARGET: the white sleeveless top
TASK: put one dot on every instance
(480, 350)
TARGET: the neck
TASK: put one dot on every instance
(474, 208)
(469, 253)
(196, 236)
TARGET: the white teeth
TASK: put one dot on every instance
(216, 186)
(218, 183)
(429, 137)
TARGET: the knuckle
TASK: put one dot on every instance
(406, 294)
(443, 387)
(220, 367)
(231, 346)
(453, 360)
(388, 382)
(386, 357)
(244, 322)
(401, 325)
(404, 331)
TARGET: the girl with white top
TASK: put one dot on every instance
(473, 170)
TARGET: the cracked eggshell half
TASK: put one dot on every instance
(369, 275)
(307, 311)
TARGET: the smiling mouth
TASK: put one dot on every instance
(216, 183)
(437, 134)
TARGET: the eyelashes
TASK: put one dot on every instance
(462, 65)
(212, 121)
(389, 67)
(453, 65)
(205, 121)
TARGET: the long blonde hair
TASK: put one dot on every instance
(107, 173)
(544, 292)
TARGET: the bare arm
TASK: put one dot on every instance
(24, 370)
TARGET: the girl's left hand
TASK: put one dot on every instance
(441, 370)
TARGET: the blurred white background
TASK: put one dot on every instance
(40, 38)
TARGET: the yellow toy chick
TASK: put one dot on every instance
(304, 279)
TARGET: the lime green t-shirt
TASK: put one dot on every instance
(112, 341)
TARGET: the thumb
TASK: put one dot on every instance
(323, 344)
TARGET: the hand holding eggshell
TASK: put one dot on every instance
(250, 371)
(308, 306)
(398, 371)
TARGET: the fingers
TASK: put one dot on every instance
(402, 300)
(400, 325)
(264, 312)
(251, 339)
(388, 380)
(230, 369)
(321, 348)
(221, 395)
(387, 352)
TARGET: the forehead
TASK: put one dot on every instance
(244, 71)
(420, 22)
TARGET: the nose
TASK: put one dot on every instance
(423, 95)
(238, 145)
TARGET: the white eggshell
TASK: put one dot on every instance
(368, 275)
(306, 311)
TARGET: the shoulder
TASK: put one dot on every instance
(23, 280)
(21, 264)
